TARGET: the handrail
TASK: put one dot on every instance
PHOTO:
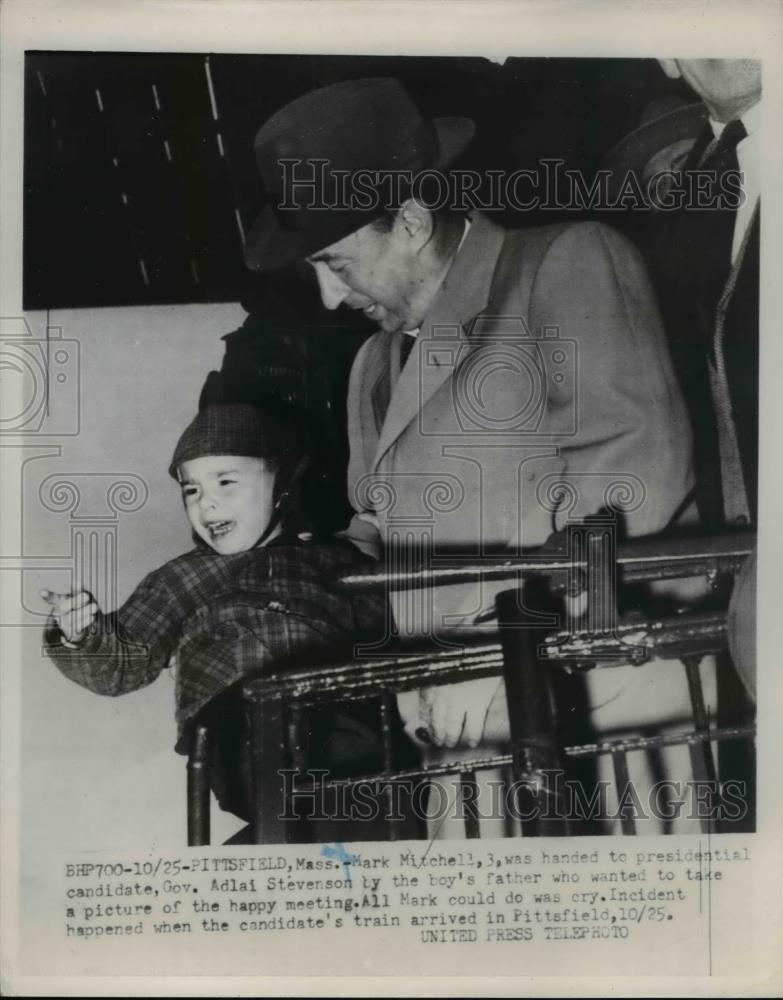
(620, 745)
(521, 651)
(666, 638)
(641, 560)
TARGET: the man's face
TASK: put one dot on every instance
(375, 271)
(727, 86)
(228, 500)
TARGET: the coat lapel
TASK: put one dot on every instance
(387, 370)
(462, 296)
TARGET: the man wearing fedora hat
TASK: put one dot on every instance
(518, 379)
(705, 263)
(706, 268)
(713, 311)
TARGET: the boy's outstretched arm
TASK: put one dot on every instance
(115, 653)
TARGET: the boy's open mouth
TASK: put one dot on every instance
(218, 528)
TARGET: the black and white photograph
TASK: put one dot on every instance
(383, 474)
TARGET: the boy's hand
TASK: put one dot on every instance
(74, 613)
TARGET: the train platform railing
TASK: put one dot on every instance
(589, 572)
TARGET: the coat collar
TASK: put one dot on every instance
(463, 294)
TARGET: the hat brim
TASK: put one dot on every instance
(268, 246)
(634, 152)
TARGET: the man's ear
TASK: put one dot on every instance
(415, 222)
(670, 68)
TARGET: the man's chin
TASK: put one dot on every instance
(389, 323)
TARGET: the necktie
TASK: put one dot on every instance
(724, 145)
(692, 261)
(713, 227)
(406, 346)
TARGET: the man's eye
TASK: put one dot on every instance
(189, 492)
(227, 482)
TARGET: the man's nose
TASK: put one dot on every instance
(333, 289)
(206, 501)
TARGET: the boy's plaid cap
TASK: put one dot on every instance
(231, 429)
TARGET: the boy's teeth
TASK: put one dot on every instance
(220, 527)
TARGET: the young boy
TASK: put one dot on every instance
(255, 589)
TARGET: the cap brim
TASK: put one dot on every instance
(268, 246)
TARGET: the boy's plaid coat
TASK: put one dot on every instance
(223, 617)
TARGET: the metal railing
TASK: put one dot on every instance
(585, 561)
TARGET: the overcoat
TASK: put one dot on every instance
(539, 389)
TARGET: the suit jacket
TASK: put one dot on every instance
(689, 281)
(539, 389)
(741, 353)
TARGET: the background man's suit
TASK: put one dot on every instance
(706, 269)
(691, 265)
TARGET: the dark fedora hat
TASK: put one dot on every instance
(312, 151)
(662, 140)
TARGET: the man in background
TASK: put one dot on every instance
(705, 264)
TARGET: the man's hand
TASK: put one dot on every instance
(455, 714)
(74, 613)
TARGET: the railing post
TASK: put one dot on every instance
(267, 753)
(536, 763)
(198, 787)
(299, 829)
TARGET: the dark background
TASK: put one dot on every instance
(129, 200)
